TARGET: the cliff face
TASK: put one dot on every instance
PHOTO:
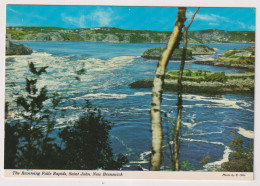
(222, 36)
(115, 35)
(53, 36)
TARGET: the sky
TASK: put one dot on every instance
(132, 18)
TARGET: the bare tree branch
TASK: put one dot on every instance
(177, 126)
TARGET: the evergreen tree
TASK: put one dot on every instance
(28, 145)
(36, 148)
(87, 144)
(11, 143)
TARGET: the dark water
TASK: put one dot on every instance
(110, 68)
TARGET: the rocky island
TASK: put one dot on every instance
(242, 58)
(204, 82)
(155, 53)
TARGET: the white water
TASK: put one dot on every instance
(105, 84)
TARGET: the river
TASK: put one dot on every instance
(109, 69)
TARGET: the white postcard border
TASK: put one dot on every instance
(6, 177)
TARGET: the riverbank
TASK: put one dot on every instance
(217, 83)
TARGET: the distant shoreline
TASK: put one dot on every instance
(128, 43)
(117, 35)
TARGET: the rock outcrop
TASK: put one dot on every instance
(52, 36)
(231, 86)
(201, 50)
(18, 49)
(155, 53)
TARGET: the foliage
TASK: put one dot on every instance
(186, 165)
(35, 148)
(241, 158)
(205, 160)
(199, 76)
(217, 76)
(16, 34)
(241, 56)
(242, 36)
(28, 141)
(72, 37)
(11, 143)
(87, 142)
(188, 72)
(229, 53)
(246, 60)
(139, 35)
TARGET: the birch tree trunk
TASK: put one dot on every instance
(157, 90)
(179, 95)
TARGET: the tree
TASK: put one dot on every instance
(11, 143)
(34, 147)
(87, 144)
(157, 90)
(28, 142)
(37, 148)
(176, 161)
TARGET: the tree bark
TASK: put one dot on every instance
(179, 95)
(157, 90)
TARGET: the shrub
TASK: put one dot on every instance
(188, 72)
(199, 72)
(247, 60)
(229, 53)
(241, 158)
(205, 160)
(217, 76)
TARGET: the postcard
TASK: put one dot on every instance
(129, 91)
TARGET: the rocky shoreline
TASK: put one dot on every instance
(18, 49)
(238, 86)
(225, 64)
